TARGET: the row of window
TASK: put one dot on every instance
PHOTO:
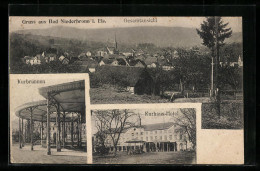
(151, 138)
(151, 132)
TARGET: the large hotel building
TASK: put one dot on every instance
(152, 137)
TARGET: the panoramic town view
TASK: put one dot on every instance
(199, 59)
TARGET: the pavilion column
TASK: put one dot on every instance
(163, 146)
(79, 130)
(58, 145)
(42, 132)
(20, 142)
(22, 135)
(31, 128)
(63, 130)
(48, 126)
(71, 130)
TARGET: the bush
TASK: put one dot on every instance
(102, 150)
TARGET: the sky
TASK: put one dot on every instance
(145, 118)
(23, 23)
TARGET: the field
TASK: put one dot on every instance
(110, 95)
(231, 113)
(180, 157)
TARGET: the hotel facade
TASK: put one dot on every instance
(162, 137)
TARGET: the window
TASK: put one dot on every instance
(175, 136)
(133, 134)
(156, 137)
(165, 137)
(151, 138)
(146, 138)
(137, 134)
(160, 137)
(170, 137)
(142, 133)
(180, 136)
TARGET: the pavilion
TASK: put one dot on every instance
(64, 105)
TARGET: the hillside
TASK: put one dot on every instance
(160, 36)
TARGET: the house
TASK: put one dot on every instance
(50, 57)
(37, 60)
(64, 60)
(151, 62)
(163, 137)
(122, 61)
(175, 54)
(82, 55)
(114, 62)
(105, 61)
(88, 53)
(101, 53)
(27, 59)
(126, 54)
(231, 61)
(137, 63)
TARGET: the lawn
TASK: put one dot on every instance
(39, 155)
(179, 157)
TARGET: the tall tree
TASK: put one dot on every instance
(113, 123)
(213, 32)
(186, 119)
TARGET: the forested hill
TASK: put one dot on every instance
(160, 36)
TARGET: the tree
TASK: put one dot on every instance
(111, 123)
(186, 118)
(213, 33)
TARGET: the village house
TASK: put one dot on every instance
(163, 137)
(151, 62)
(101, 53)
(138, 79)
(49, 57)
(64, 60)
(136, 63)
(227, 60)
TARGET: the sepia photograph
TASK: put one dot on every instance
(48, 119)
(134, 60)
(144, 136)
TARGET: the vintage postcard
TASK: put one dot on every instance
(48, 118)
(146, 61)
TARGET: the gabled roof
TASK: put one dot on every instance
(149, 127)
(158, 126)
(50, 55)
(107, 61)
(121, 61)
(136, 61)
